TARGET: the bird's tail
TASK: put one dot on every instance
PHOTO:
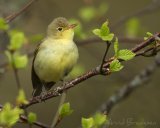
(37, 91)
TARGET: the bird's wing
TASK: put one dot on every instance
(36, 82)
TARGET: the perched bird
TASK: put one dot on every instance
(55, 56)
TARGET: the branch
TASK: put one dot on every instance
(16, 14)
(59, 90)
(23, 119)
(126, 90)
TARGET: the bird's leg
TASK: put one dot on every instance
(43, 93)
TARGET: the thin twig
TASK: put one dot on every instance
(59, 90)
(108, 44)
(57, 119)
(14, 15)
(15, 71)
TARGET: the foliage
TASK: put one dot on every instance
(124, 54)
(19, 61)
(65, 110)
(3, 25)
(148, 35)
(133, 27)
(21, 98)
(17, 40)
(115, 66)
(96, 121)
(9, 115)
(104, 32)
(89, 13)
(32, 117)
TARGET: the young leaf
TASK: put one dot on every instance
(21, 99)
(32, 117)
(3, 24)
(87, 122)
(87, 13)
(104, 32)
(109, 37)
(97, 32)
(20, 61)
(126, 54)
(65, 110)
(9, 116)
(116, 47)
(105, 29)
(133, 27)
(115, 66)
(148, 35)
(17, 40)
(99, 119)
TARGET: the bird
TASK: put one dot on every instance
(54, 57)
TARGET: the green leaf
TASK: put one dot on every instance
(115, 66)
(116, 47)
(17, 40)
(108, 37)
(21, 99)
(87, 122)
(99, 119)
(3, 24)
(65, 110)
(9, 116)
(103, 8)
(104, 32)
(20, 61)
(87, 13)
(133, 27)
(32, 117)
(105, 29)
(97, 32)
(126, 54)
(148, 35)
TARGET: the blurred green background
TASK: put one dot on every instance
(88, 96)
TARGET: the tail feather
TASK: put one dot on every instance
(49, 85)
(37, 91)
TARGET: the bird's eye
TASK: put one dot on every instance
(59, 28)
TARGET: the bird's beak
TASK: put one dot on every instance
(71, 26)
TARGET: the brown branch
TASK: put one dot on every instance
(59, 90)
(39, 124)
(16, 14)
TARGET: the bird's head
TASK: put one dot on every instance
(60, 28)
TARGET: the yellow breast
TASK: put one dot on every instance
(55, 59)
